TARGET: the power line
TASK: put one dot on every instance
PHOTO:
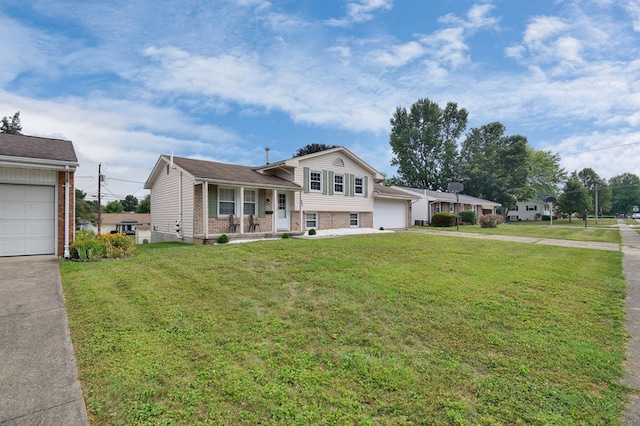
(601, 149)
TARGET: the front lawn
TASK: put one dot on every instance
(384, 329)
(604, 231)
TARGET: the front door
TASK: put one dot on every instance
(283, 221)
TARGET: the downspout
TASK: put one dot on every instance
(179, 221)
(67, 255)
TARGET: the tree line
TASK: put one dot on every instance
(432, 150)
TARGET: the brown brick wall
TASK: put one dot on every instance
(72, 209)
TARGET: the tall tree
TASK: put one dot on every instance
(144, 206)
(424, 141)
(129, 204)
(113, 207)
(545, 173)
(597, 187)
(574, 198)
(11, 125)
(495, 167)
(313, 147)
(625, 193)
(85, 211)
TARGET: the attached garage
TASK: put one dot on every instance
(391, 208)
(37, 195)
(27, 220)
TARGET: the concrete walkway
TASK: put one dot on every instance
(631, 269)
(38, 376)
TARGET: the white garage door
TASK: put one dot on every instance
(27, 220)
(390, 214)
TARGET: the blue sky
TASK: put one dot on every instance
(220, 80)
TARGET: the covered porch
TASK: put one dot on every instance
(243, 211)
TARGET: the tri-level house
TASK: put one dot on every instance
(197, 200)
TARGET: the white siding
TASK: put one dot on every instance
(165, 204)
(28, 176)
(319, 202)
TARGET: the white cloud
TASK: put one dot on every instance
(360, 11)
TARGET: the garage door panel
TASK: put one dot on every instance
(27, 220)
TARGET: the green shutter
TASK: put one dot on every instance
(365, 186)
(352, 185)
(346, 185)
(305, 171)
(325, 185)
(262, 202)
(213, 200)
(331, 182)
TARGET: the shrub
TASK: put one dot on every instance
(88, 249)
(285, 236)
(312, 231)
(443, 219)
(546, 217)
(490, 220)
(468, 216)
(117, 245)
(223, 239)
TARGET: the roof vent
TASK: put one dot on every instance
(266, 151)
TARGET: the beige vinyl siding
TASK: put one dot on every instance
(165, 203)
(328, 201)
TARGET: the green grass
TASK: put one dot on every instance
(604, 231)
(428, 330)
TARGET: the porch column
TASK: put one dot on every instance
(302, 224)
(205, 209)
(241, 209)
(274, 216)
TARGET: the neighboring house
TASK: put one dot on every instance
(529, 210)
(37, 195)
(432, 202)
(126, 223)
(323, 190)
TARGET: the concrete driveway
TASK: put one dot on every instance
(38, 376)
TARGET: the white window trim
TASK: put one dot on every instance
(254, 202)
(311, 172)
(235, 201)
(357, 225)
(355, 186)
(452, 208)
(336, 175)
(306, 220)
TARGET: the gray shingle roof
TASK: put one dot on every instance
(37, 148)
(232, 173)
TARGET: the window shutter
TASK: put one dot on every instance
(352, 185)
(262, 202)
(325, 183)
(305, 172)
(331, 182)
(213, 200)
(365, 186)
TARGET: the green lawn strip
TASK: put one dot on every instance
(539, 229)
(375, 329)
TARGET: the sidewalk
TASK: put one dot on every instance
(631, 270)
(38, 377)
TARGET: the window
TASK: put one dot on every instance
(312, 220)
(354, 220)
(249, 202)
(359, 186)
(438, 207)
(474, 208)
(338, 184)
(226, 201)
(315, 181)
(532, 208)
(451, 207)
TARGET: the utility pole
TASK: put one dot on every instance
(99, 196)
(596, 188)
